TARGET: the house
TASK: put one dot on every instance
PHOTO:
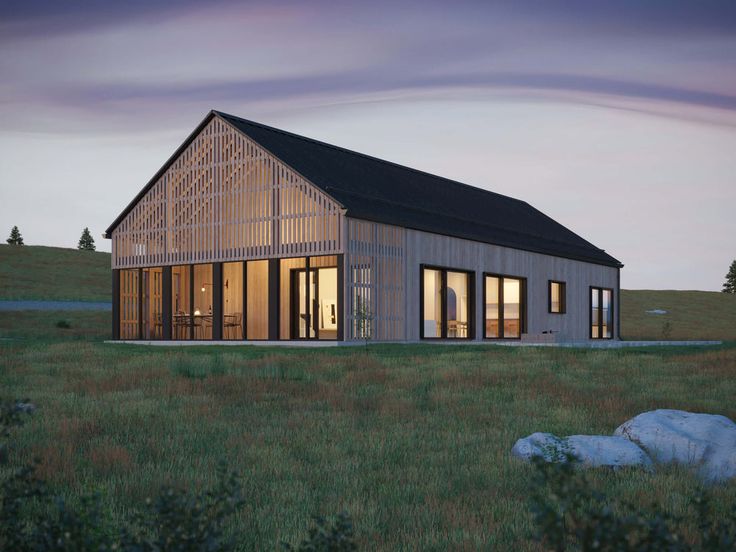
(252, 233)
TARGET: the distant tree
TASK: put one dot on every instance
(86, 242)
(729, 286)
(15, 237)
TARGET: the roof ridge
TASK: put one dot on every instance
(365, 155)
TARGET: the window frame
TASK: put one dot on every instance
(600, 289)
(443, 309)
(522, 308)
(563, 296)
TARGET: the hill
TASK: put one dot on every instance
(38, 272)
(690, 314)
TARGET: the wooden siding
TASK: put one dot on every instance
(537, 268)
(226, 198)
(375, 267)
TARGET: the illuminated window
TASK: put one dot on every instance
(557, 297)
(504, 304)
(446, 304)
(601, 313)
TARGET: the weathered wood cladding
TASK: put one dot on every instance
(226, 198)
(536, 268)
(375, 267)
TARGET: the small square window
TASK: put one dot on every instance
(557, 297)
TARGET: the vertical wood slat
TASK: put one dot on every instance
(375, 262)
(218, 202)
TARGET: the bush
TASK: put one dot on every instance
(63, 324)
(335, 535)
(571, 515)
(178, 520)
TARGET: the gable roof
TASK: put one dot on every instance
(381, 191)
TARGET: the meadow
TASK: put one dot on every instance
(412, 440)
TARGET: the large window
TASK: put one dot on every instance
(153, 324)
(232, 301)
(256, 326)
(203, 292)
(446, 304)
(505, 305)
(181, 292)
(557, 297)
(129, 305)
(601, 313)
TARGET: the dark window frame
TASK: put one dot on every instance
(563, 296)
(600, 309)
(522, 308)
(443, 309)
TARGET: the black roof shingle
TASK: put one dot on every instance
(381, 191)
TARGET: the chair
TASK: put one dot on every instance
(232, 322)
(203, 326)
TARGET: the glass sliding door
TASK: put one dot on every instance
(181, 311)
(256, 325)
(505, 306)
(446, 308)
(232, 301)
(601, 313)
(309, 307)
(153, 326)
(325, 311)
(129, 304)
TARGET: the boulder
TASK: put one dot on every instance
(590, 450)
(706, 442)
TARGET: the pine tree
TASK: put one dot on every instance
(729, 286)
(15, 237)
(86, 242)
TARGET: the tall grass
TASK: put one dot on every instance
(413, 441)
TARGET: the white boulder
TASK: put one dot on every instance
(590, 450)
(706, 442)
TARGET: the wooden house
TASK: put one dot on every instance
(252, 233)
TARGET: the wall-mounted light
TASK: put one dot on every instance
(203, 288)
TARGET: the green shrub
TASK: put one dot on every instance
(571, 515)
(176, 520)
(334, 535)
(63, 324)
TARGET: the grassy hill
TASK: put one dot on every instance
(690, 314)
(37, 272)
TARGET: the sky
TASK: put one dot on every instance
(617, 119)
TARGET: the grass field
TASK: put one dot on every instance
(413, 441)
(37, 272)
(690, 314)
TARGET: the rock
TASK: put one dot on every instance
(706, 442)
(591, 450)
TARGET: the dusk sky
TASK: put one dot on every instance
(617, 119)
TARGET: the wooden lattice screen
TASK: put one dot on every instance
(226, 198)
(375, 274)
